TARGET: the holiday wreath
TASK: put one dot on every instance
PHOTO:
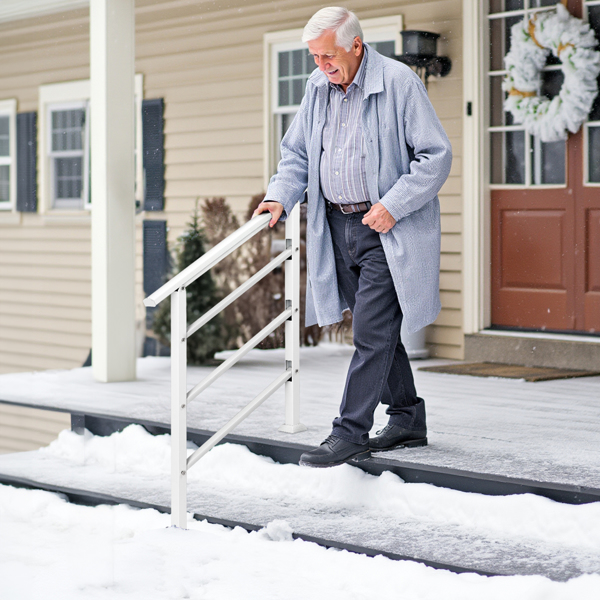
(573, 42)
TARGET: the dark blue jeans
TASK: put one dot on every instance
(379, 370)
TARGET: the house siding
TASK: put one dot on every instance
(207, 65)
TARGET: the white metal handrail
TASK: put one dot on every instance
(180, 331)
(210, 259)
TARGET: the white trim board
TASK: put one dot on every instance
(561, 337)
(8, 108)
(476, 211)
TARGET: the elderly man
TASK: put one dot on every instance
(370, 151)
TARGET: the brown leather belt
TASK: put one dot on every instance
(348, 209)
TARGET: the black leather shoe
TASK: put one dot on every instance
(395, 436)
(335, 451)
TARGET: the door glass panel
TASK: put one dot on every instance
(497, 6)
(500, 40)
(496, 45)
(515, 156)
(540, 3)
(508, 157)
(594, 18)
(496, 101)
(594, 21)
(547, 162)
(594, 154)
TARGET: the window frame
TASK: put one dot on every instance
(8, 108)
(68, 204)
(72, 93)
(375, 30)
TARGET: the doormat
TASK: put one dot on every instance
(509, 371)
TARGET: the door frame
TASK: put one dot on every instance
(475, 171)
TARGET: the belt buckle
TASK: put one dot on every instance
(343, 211)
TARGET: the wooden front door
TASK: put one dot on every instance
(545, 201)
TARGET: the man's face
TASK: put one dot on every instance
(339, 66)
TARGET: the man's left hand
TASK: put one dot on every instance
(379, 219)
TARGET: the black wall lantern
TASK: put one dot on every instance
(420, 51)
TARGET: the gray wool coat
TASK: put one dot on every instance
(408, 158)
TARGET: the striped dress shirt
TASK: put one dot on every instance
(343, 179)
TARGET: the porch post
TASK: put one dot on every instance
(112, 70)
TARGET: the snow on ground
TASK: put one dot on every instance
(52, 549)
(234, 469)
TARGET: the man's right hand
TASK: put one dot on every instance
(275, 208)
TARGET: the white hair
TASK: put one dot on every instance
(334, 18)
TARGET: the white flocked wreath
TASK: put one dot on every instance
(573, 42)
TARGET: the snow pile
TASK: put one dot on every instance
(55, 550)
(234, 470)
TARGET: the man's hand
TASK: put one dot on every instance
(275, 208)
(379, 219)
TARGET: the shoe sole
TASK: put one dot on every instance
(407, 444)
(362, 456)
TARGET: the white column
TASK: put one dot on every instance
(112, 66)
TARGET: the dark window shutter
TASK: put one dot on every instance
(156, 257)
(154, 170)
(27, 162)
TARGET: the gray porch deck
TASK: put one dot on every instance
(546, 432)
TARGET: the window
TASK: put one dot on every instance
(64, 145)
(7, 154)
(509, 144)
(289, 66)
(68, 155)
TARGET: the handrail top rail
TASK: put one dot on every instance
(209, 259)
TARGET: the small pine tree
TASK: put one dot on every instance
(201, 296)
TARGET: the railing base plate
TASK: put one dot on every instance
(292, 428)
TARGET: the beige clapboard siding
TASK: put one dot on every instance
(451, 299)
(52, 355)
(23, 429)
(46, 312)
(45, 294)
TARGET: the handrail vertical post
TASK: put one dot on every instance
(292, 326)
(178, 409)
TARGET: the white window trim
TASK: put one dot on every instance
(60, 106)
(8, 108)
(374, 30)
(72, 92)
